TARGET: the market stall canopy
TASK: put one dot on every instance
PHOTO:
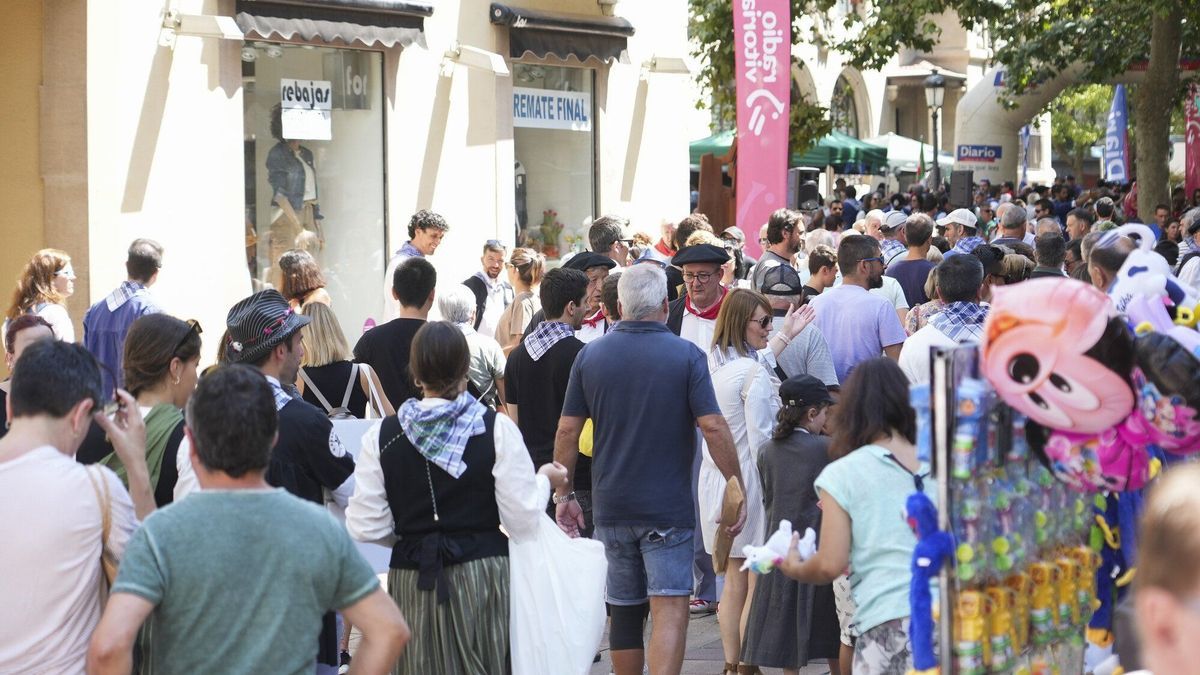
(384, 23)
(904, 153)
(846, 154)
(717, 144)
(556, 34)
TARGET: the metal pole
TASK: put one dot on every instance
(937, 169)
(942, 412)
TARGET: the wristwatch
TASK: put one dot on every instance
(569, 497)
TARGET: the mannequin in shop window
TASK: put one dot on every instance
(296, 217)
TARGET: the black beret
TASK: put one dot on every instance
(700, 253)
(585, 260)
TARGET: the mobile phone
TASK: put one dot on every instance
(113, 406)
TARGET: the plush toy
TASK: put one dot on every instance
(1167, 383)
(934, 547)
(1055, 350)
(1147, 274)
(1106, 541)
(763, 559)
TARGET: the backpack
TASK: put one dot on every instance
(342, 412)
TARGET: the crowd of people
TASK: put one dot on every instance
(173, 520)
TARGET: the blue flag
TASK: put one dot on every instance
(1116, 139)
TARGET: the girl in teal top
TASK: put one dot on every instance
(862, 495)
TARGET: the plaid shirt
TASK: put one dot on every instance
(546, 335)
(961, 321)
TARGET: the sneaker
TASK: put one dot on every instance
(700, 607)
(344, 663)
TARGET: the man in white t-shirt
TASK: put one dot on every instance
(50, 588)
(959, 284)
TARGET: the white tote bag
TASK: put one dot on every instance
(556, 606)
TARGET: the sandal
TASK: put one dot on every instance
(744, 669)
(729, 668)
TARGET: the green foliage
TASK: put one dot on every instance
(712, 29)
(1077, 121)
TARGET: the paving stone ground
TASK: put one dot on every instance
(703, 655)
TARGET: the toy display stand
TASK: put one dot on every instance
(1019, 591)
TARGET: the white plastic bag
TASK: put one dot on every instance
(556, 607)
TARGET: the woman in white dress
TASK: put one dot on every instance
(747, 391)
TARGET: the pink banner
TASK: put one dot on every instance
(1192, 142)
(762, 48)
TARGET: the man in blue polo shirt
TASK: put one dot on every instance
(643, 444)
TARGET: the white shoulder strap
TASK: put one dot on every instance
(320, 397)
(350, 385)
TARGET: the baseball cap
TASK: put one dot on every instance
(735, 233)
(894, 220)
(959, 216)
(781, 280)
(804, 390)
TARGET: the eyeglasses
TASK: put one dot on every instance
(193, 327)
(66, 272)
(876, 258)
(763, 322)
(702, 277)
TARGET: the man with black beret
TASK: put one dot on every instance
(596, 267)
(694, 316)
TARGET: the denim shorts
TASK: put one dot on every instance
(647, 561)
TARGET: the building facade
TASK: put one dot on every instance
(517, 121)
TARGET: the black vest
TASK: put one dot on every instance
(468, 523)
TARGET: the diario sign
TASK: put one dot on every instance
(549, 109)
(979, 153)
(307, 109)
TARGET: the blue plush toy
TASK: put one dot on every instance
(934, 547)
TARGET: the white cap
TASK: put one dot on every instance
(961, 216)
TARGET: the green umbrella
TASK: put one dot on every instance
(843, 152)
(717, 144)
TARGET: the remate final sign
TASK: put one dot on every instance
(549, 109)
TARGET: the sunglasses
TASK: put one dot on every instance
(764, 322)
(876, 258)
(193, 327)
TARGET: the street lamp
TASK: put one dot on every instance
(935, 95)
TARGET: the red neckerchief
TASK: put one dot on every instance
(711, 312)
(664, 249)
(595, 319)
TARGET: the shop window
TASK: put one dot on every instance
(321, 189)
(554, 145)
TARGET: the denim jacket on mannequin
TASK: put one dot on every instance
(285, 173)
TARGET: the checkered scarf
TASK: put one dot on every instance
(122, 295)
(968, 244)
(960, 321)
(441, 433)
(546, 335)
(891, 248)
